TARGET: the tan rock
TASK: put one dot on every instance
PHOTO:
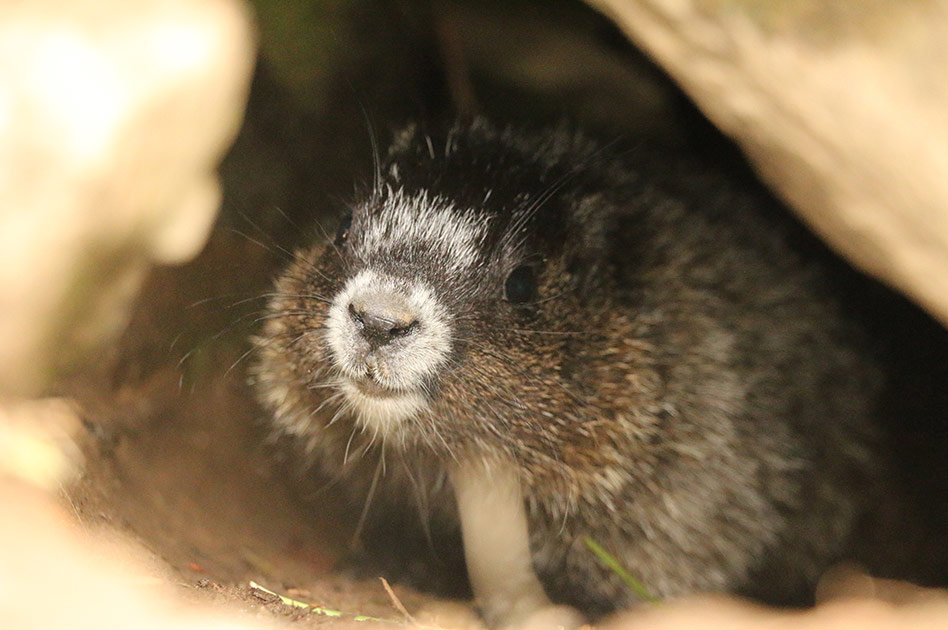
(55, 575)
(112, 119)
(840, 105)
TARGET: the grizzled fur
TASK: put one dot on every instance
(682, 389)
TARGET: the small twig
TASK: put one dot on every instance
(397, 602)
(328, 612)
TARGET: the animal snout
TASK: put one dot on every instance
(382, 317)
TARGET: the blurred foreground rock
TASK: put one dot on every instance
(113, 117)
(925, 610)
(842, 107)
(56, 576)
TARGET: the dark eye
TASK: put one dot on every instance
(343, 232)
(521, 285)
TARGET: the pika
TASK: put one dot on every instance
(543, 343)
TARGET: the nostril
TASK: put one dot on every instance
(356, 315)
(382, 319)
(402, 331)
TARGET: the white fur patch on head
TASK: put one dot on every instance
(432, 224)
(386, 384)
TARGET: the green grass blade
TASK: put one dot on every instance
(613, 564)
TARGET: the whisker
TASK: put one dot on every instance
(250, 350)
(562, 333)
(345, 456)
(376, 157)
(368, 502)
(287, 217)
(332, 243)
(302, 296)
(277, 247)
(251, 239)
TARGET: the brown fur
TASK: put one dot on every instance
(685, 391)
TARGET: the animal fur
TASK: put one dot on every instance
(683, 389)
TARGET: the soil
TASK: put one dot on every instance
(190, 473)
(179, 457)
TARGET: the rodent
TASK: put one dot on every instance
(632, 334)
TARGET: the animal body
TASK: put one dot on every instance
(533, 333)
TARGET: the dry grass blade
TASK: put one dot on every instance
(397, 602)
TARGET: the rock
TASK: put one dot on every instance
(839, 105)
(112, 119)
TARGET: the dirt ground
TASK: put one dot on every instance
(177, 458)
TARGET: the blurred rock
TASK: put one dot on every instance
(732, 614)
(56, 576)
(37, 442)
(113, 117)
(840, 105)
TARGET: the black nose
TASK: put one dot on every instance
(382, 318)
